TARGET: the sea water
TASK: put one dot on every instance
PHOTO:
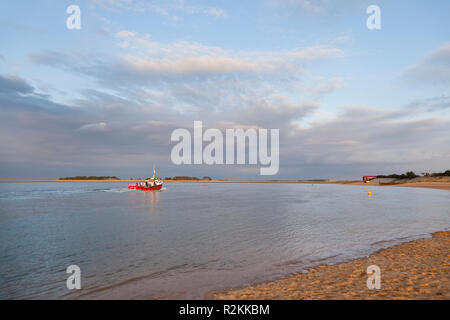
(192, 238)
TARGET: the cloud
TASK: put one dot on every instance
(434, 69)
(320, 8)
(344, 39)
(51, 58)
(192, 80)
(16, 93)
(14, 84)
(152, 88)
(106, 132)
(276, 113)
(214, 12)
(371, 138)
(95, 127)
(124, 34)
(189, 65)
(179, 50)
(38, 133)
(439, 103)
(315, 53)
(327, 87)
(308, 6)
(166, 8)
(145, 62)
(175, 50)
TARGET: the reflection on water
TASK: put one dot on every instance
(152, 199)
(192, 238)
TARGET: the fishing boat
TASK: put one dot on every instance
(152, 184)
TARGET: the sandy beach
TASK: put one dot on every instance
(442, 183)
(433, 185)
(415, 270)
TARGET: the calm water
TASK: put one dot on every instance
(190, 239)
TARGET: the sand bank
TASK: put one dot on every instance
(433, 185)
(415, 270)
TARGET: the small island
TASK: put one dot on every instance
(90, 178)
(188, 178)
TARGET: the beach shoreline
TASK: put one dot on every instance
(442, 184)
(416, 269)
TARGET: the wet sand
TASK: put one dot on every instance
(442, 184)
(415, 270)
(433, 185)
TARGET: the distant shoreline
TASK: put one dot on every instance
(433, 183)
(197, 181)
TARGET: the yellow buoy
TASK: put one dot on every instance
(369, 193)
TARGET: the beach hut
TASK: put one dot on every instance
(366, 179)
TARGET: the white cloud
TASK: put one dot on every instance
(315, 53)
(215, 12)
(94, 127)
(322, 88)
(311, 7)
(124, 34)
(190, 65)
(183, 57)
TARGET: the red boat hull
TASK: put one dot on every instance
(155, 188)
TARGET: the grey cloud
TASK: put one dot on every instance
(51, 58)
(368, 142)
(328, 87)
(438, 103)
(433, 69)
(14, 84)
(97, 141)
(244, 96)
(16, 93)
(271, 114)
(129, 119)
(193, 80)
(111, 131)
(93, 127)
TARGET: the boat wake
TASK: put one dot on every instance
(116, 190)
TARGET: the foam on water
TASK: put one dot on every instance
(55, 192)
(117, 190)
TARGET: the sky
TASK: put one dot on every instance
(104, 99)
